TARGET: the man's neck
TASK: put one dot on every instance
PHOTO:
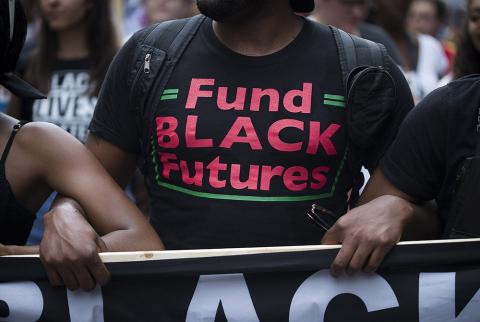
(264, 34)
(72, 43)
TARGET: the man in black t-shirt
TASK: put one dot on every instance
(249, 131)
(434, 140)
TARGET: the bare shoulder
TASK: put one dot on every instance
(44, 135)
(44, 130)
(41, 139)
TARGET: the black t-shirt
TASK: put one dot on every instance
(433, 141)
(243, 145)
(70, 101)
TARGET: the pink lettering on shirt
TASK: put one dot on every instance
(258, 94)
(166, 136)
(305, 96)
(274, 135)
(324, 139)
(190, 135)
(195, 91)
(233, 135)
(251, 183)
(238, 104)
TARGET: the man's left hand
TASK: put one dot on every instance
(367, 233)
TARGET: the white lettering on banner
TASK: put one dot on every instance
(230, 290)
(437, 300)
(312, 297)
(85, 306)
(24, 301)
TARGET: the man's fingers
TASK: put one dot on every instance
(102, 247)
(332, 237)
(85, 280)
(376, 258)
(68, 278)
(343, 257)
(359, 258)
(54, 277)
(99, 271)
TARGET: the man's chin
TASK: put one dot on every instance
(230, 11)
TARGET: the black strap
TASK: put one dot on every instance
(15, 129)
(174, 36)
(355, 51)
(171, 37)
(477, 152)
(168, 41)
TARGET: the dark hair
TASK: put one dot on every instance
(10, 49)
(101, 41)
(391, 16)
(440, 8)
(467, 60)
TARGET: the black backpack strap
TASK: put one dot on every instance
(174, 36)
(354, 52)
(164, 45)
(477, 150)
(356, 55)
(158, 53)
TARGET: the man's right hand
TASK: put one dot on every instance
(69, 249)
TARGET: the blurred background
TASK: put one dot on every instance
(71, 43)
(422, 36)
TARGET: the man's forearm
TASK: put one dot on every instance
(66, 211)
(420, 221)
(423, 223)
(69, 203)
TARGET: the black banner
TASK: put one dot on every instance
(429, 282)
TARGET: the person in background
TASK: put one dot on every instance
(39, 157)
(468, 55)
(423, 56)
(68, 65)
(142, 13)
(163, 10)
(132, 18)
(467, 60)
(456, 10)
(32, 25)
(427, 17)
(350, 16)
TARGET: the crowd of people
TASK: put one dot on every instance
(225, 128)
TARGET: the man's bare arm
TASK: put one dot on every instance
(384, 216)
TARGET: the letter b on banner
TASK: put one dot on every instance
(22, 302)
